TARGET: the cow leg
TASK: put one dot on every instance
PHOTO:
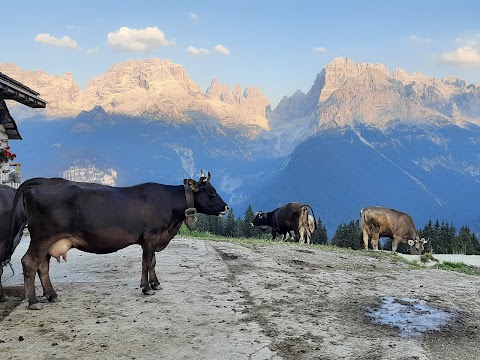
(365, 239)
(147, 259)
(274, 233)
(152, 276)
(30, 266)
(301, 235)
(395, 242)
(3, 296)
(375, 237)
(44, 275)
(297, 235)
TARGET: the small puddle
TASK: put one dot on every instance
(412, 317)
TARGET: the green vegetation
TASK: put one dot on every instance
(459, 267)
(427, 257)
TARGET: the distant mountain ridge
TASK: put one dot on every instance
(360, 136)
(151, 89)
(346, 93)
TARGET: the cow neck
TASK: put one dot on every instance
(190, 212)
(270, 217)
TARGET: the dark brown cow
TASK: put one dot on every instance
(7, 242)
(101, 219)
(284, 219)
(377, 222)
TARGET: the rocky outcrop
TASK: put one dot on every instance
(337, 72)
(235, 107)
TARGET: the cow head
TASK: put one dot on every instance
(259, 219)
(206, 199)
(417, 245)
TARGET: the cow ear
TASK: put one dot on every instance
(192, 184)
(411, 242)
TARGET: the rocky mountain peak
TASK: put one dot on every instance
(381, 99)
(339, 70)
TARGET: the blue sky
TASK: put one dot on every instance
(279, 46)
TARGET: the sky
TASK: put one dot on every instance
(278, 46)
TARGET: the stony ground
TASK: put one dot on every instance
(228, 301)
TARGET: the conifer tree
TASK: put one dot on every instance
(249, 230)
(466, 242)
(347, 235)
(229, 223)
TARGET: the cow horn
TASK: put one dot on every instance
(424, 240)
(411, 242)
(202, 174)
(208, 176)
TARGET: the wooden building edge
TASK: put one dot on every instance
(10, 89)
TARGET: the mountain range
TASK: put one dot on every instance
(361, 136)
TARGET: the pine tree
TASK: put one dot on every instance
(229, 224)
(347, 235)
(466, 242)
(320, 236)
(238, 231)
(249, 230)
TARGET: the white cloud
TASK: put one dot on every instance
(320, 50)
(419, 39)
(469, 42)
(193, 16)
(94, 51)
(146, 39)
(467, 56)
(197, 51)
(221, 50)
(64, 42)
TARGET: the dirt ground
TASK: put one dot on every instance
(228, 301)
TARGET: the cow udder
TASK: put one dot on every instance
(60, 248)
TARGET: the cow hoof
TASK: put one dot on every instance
(148, 292)
(3, 298)
(36, 306)
(52, 299)
(157, 287)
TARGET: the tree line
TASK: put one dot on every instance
(443, 237)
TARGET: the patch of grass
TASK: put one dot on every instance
(386, 255)
(458, 267)
(427, 257)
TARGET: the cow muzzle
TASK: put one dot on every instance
(222, 213)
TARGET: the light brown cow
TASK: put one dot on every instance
(305, 230)
(377, 222)
(306, 227)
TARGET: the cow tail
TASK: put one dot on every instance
(362, 222)
(18, 218)
(313, 214)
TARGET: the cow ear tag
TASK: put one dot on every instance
(192, 184)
